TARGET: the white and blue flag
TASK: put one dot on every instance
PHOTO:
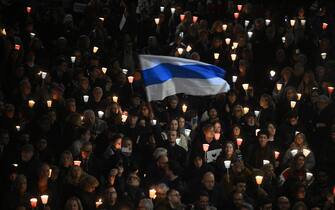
(164, 76)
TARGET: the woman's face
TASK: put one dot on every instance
(74, 205)
(300, 162)
(181, 122)
(145, 111)
(198, 162)
(217, 127)
(271, 129)
(299, 139)
(229, 149)
(67, 160)
(236, 131)
(174, 125)
(263, 102)
(118, 143)
(238, 112)
(231, 98)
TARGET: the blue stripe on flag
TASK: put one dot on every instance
(166, 71)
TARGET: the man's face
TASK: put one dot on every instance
(283, 203)
(209, 133)
(162, 162)
(208, 181)
(203, 201)
(241, 187)
(172, 137)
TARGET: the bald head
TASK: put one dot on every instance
(208, 180)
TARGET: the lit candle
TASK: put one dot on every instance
(256, 131)
(124, 117)
(15, 165)
(259, 180)
(235, 45)
(130, 79)
(205, 147)
(224, 27)
(172, 10)
(246, 23)
(267, 22)
(152, 193)
(272, 73)
(250, 33)
(180, 50)
(125, 71)
(184, 108)
(256, 113)
(195, 19)
(187, 132)
(17, 47)
(234, 78)
(115, 99)
(324, 26)
(95, 49)
(43, 74)
(49, 103)
(239, 142)
(227, 40)
(293, 103)
(3, 31)
(303, 22)
(100, 114)
(50, 173)
(98, 203)
(277, 154)
(161, 8)
(245, 110)
(233, 56)
(216, 56)
(283, 39)
(76, 162)
(31, 103)
(157, 21)
(306, 152)
(44, 199)
(239, 7)
(309, 176)
(153, 122)
(28, 10)
(18, 128)
(245, 87)
(85, 98)
(236, 15)
(227, 164)
(266, 162)
(323, 56)
(32, 35)
(292, 22)
(33, 202)
(279, 86)
(182, 17)
(294, 152)
(104, 70)
(188, 48)
(73, 59)
(299, 96)
(102, 19)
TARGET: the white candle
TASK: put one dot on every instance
(266, 162)
(239, 7)
(303, 22)
(299, 96)
(161, 8)
(227, 40)
(283, 39)
(224, 27)
(95, 49)
(33, 202)
(115, 99)
(259, 180)
(234, 78)
(187, 132)
(44, 199)
(292, 22)
(85, 98)
(73, 59)
(130, 79)
(267, 22)
(306, 152)
(246, 23)
(100, 114)
(31, 103)
(279, 86)
(256, 131)
(245, 86)
(76, 162)
(272, 73)
(157, 21)
(18, 128)
(180, 50)
(182, 17)
(102, 19)
(50, 173)
(188, 48)
(195, 19)
(236, 15)
(124, 117)
(235, 45)
(227, 163)
(324, 26)
(153, 122)
(309, 176)
(323, 55)
(104, 70)
(184, 108)
(43, 74)
(32, 35)
(245, 110)
(250, 33)
(125, 71)
(205, 147)
(152, 193)
(216, 56)
(239, 141)
(49, 103)
(233, 56)
(277, 154)
(293, 104)
(173, 10)
(256, 113)
(294, 152)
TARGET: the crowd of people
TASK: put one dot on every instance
(77, 132)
